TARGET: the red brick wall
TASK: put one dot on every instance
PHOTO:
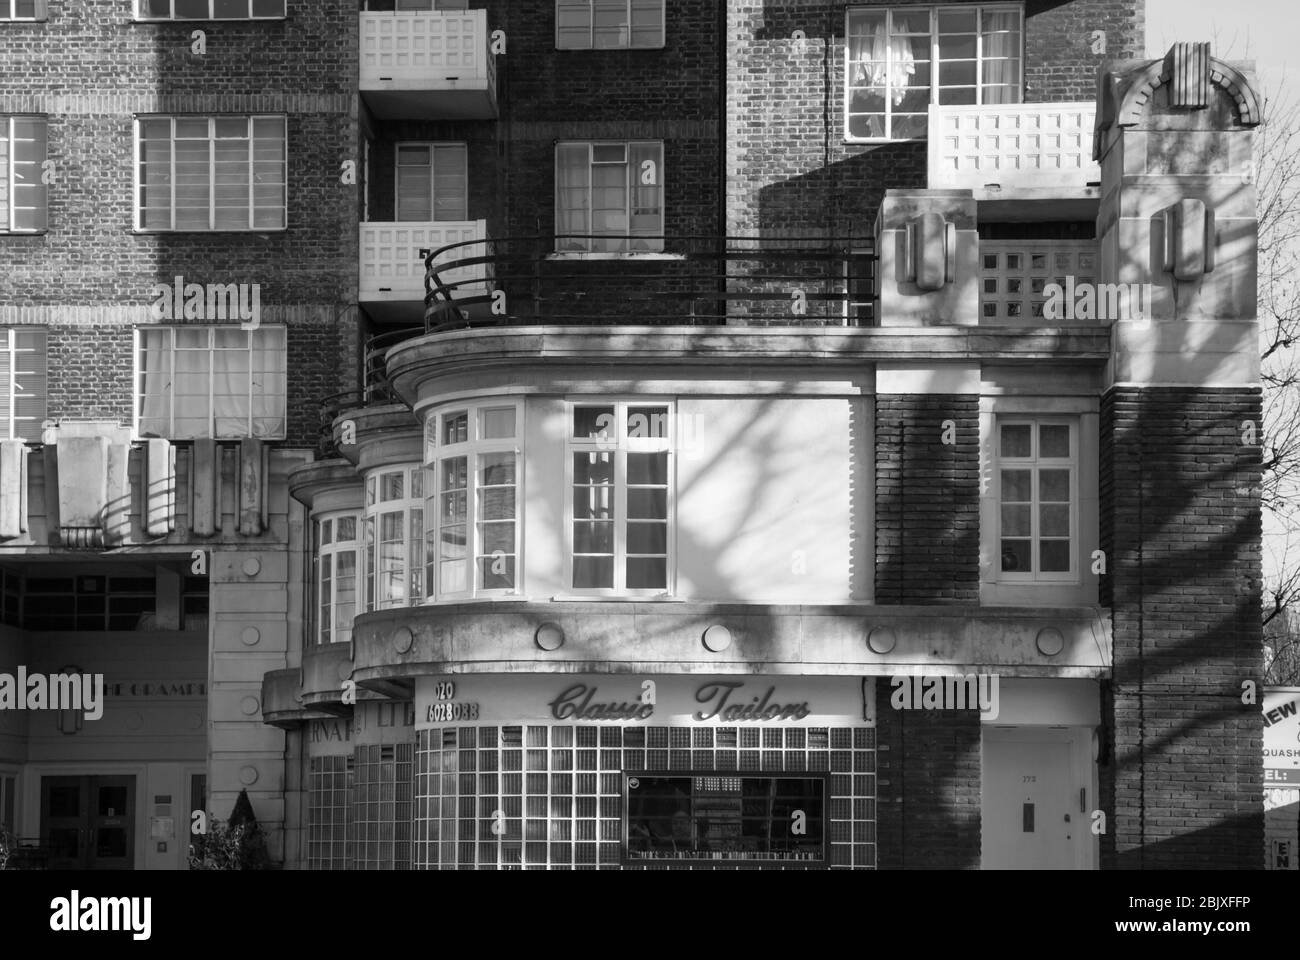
(1180, 524)
(927, 500)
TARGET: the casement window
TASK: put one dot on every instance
(24, 10)
(608, 24)
(23, 203)
(619, 498)
(432, 181)
(335, 552)
(22, 382)
(394, 537)
(899, 61)
(211, 173)
(612, 190)
(416, 6)
(210, 9)
(1038, 499)
(472, 517)
(680, 817)
(220, 382)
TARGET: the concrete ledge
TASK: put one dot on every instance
(324, 668)
(763, 639)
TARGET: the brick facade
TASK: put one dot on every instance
(1180, 525)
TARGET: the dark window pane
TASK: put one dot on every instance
(647, 573)
(650, 468)
(593, 572)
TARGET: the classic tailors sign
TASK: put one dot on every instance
(677, 701)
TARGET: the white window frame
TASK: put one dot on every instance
(8, 12)
(250, 335)
(620, 445)
(471, 448)
(433, 166)
(590, 5)
(252, 119)
(8, 133)
(651, 244)
(1033, 464)
(10, 353)
(978, 9)
(142, 6)
(356, 547)
(410, 506)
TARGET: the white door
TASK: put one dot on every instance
(1034, 806)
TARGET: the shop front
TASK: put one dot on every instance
(632, 772)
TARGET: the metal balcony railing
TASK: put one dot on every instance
(694, 281)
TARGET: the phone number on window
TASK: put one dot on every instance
(451, 712)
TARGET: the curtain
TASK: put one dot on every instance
(269, 364)
(414, 183)
(572, 200)
(646, 206)
(1000, 65)
(155, 361)
(884, 65)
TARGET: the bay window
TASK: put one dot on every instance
(394, 537)
(1037, 477)
(220, 382)
(335, 551)
(471, 520)
(899, 61)
(619, 497)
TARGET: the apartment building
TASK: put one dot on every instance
(631, 434)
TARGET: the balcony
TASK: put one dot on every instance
(394, 263)
(1022, 161)
(428, 65)
(695, 281)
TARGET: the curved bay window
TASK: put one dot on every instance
(472, 534)
(335, 551)
(394, 532)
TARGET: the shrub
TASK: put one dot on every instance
(237, 844)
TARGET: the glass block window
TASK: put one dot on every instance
(329, 810)
(1015, 274)
(472, 514)
(382, 808)
(555, 797)
(394, 537)
(1037, 471)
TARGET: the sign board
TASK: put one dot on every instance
(1281, 744)
(652, 700)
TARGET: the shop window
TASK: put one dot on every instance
(471, 519)
(329, 812)
(88, 603)
(676, 817)
(394, 537)
(619, 500)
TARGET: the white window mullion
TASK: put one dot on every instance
(171, 152)
(212, 173)
(250, 129)
(11, 362)
(12, 138)
(620, 505)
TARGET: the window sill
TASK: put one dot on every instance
(142, 231)
(878, 141)
(624, 598)
(583, 255)
(24, 233)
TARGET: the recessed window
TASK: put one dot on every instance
(210, 9)
(394, 537)
(619, 497)
(472, 514)
(23, 382)
(219, 382)
(714, 818)
(23, 198)
(336, 598)
(608, 24)
(24, 10)
(609, 196)
(432, 181)
(211, 173)
(1037, 471)
(899, 61)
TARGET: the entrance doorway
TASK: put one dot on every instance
(88, 823)
(1035, 788)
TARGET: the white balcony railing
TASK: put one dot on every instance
(391, 266)
(1010, 147)
(445, 52)
(1015, 273)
